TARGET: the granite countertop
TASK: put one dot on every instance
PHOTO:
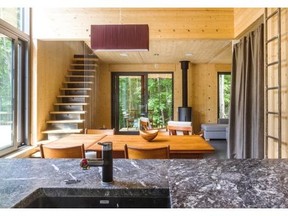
(206, 183)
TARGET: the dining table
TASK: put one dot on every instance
(181, 146)
(76, 139)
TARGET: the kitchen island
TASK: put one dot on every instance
(192, 183)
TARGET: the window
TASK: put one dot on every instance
(14, 82)
(224, 85)
(17, 17)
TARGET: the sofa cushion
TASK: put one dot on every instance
(214, 135)
(214, 127)
(223, 121)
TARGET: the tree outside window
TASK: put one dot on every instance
(224, 89)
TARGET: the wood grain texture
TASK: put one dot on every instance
(50, 57)
(47, 151)
(244, 18)
(172, 31)
(204, 93)
(189, 144)
(49, 69)
(76, 140)
(273, 80)
(186, 23)
(132, 152)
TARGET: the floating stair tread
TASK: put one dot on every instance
(76, 89)
(85, 56)
(67, 112)
(72, 96)
(65, 121)
(86, 59)
(70, 104)
(81, 70)
(62, 131)
(80, 76)
(78, 82)
(84, 64)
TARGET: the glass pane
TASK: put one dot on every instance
(160, 99)
(6, 92)
(224, 86)
(129, 102)
(17, 17)
(21, 90)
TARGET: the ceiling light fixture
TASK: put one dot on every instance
(120, 37)
(123, 54)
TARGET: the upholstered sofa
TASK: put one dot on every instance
(215, 130)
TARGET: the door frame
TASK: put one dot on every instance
(20, 87)
(218, 98)
(115, 97)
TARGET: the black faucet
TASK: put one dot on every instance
(106, 162)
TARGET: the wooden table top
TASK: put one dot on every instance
(77, 139)
(179, 144)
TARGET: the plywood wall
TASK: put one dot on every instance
(49, 69)
(202, 85)
(51, 60)
(164, 23)
(204, 93)
(55, 57)
(244, 19)
(202, 89)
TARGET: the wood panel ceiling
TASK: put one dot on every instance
(173, 51)
(206, 34)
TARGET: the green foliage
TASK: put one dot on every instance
(129, 97)
(5, 74)
(159, 100)
(224, 94)
(227, 91)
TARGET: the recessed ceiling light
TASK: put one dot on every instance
(124, 54)
(188, 54)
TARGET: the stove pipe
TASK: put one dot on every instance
(184, 67)
(184, 112)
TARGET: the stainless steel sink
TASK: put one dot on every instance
(96, 198)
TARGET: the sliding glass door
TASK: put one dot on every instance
(14, 79)
(141, 94)
(7, 93)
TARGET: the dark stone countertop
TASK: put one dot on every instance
(206, 183)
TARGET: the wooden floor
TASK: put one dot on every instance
(220, 149)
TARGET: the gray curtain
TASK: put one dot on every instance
(246, 124)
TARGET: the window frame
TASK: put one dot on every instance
(218, 90)
(25, 22)
(114, 96)
(21, 74)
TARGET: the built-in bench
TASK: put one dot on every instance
(215, 130)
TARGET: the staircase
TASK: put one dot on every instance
(71, 108)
